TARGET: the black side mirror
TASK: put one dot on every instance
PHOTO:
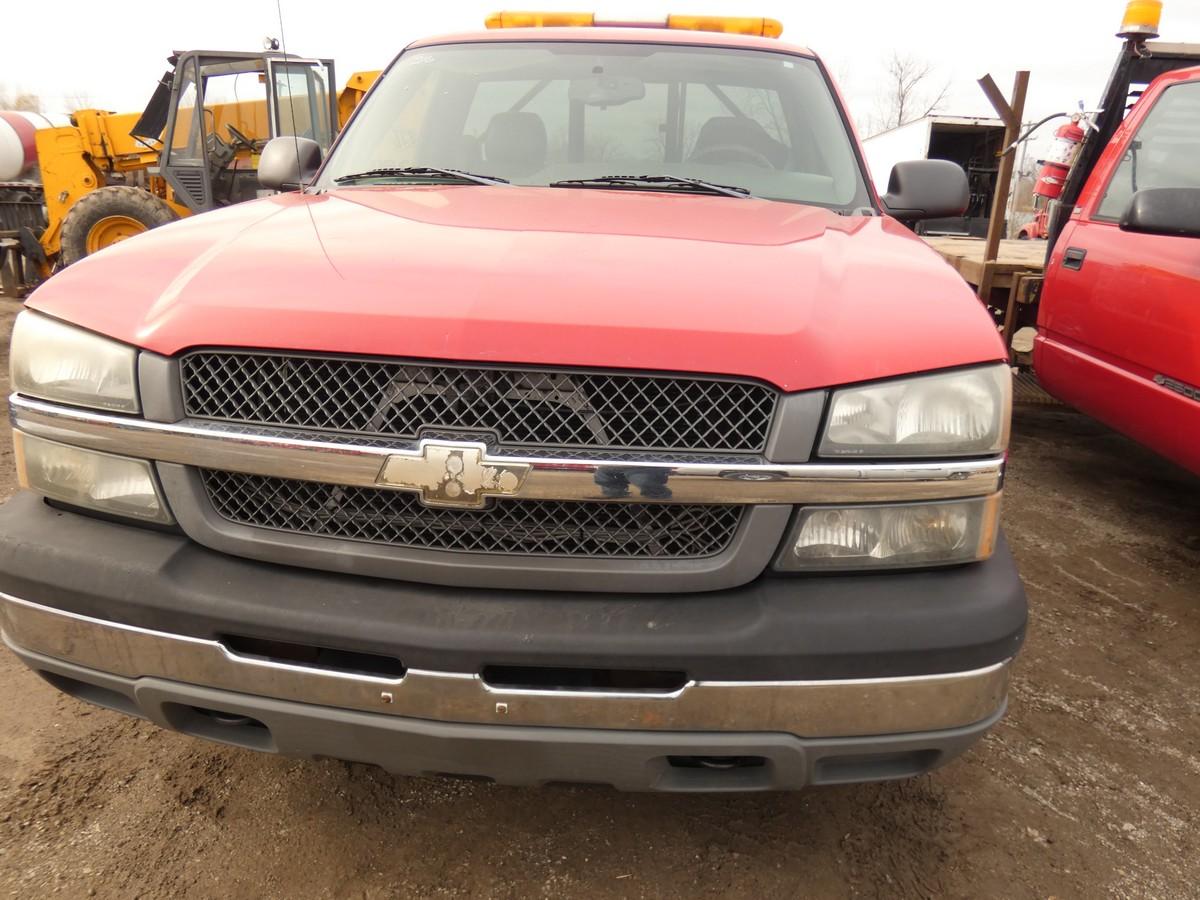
(926, 189)
(288, 163)
(1172, 211)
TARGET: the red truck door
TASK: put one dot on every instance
(1119, 316)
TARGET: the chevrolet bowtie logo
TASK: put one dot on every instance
(452, 474)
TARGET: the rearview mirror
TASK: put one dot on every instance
(1171, 211)
(926, 189)
(288, 163)
(606, 90)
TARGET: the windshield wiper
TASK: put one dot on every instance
(422, 172)
(676, 182)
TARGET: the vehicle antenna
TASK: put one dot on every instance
(295, 142)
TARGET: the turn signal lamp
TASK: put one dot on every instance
(752, 25)
(1141, 19)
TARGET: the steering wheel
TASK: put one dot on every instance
(239, 138)
(738, 152)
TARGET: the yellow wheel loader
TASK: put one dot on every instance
(109, 176)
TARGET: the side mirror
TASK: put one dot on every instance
(1172, 211)
(926, 189)
(288, 163)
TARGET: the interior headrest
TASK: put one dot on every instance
(515, 142)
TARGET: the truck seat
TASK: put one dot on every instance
(739, 131)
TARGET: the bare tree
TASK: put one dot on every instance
(19, 101)
(909, 94)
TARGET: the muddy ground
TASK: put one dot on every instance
(1089, 788)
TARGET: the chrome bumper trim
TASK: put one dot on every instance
(836, 708)
(259, 452)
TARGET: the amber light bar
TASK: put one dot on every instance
(752, 25)
(1142, 18)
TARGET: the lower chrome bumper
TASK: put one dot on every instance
(811, 709)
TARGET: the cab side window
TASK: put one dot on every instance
(1163, 152)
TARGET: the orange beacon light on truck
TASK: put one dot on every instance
(1141, 19)
(752, 25)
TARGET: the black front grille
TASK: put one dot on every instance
(525, 527)
(520, 408)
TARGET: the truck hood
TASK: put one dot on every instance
(793, 295)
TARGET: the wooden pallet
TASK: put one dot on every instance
(1027, 391)
(1016, 275)
(1015, 258)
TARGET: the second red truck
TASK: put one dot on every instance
(1118, 318)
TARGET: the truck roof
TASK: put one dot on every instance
(621, 35)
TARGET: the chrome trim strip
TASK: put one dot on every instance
(250, 451)
(835, 708)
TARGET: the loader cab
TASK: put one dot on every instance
(216, 111)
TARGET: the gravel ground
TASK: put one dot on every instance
(1090, 787)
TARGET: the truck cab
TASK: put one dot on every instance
(1118, 320)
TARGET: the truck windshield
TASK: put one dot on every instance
(547, 112)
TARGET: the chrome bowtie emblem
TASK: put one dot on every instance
(451, 474)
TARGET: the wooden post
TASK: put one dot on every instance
(1010, 311)
(1011, 114)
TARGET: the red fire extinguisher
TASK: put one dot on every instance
(1053, 174)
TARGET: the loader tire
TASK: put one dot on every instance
(108, 216)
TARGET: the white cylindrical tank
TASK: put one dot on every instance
(18, 153)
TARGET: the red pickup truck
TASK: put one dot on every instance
(585, 417)
(1119, 314)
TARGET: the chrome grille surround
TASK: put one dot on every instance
(525, 408)
(206, 445)
(522, 527)
(765, 492)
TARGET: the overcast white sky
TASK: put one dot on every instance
(67, 49)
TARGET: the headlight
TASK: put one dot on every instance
(100, 481)
(53, 361)
(960, 413)
(832, 538)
